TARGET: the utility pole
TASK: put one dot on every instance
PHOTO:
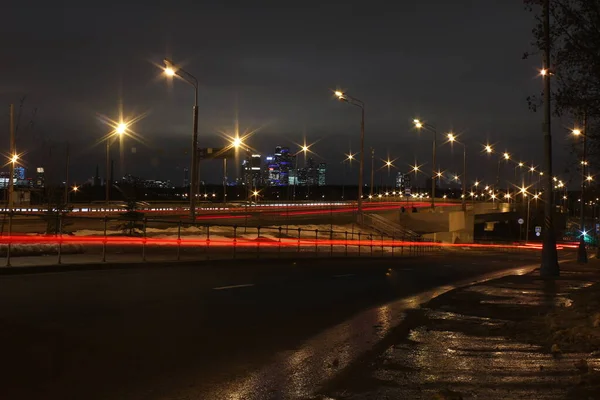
(11, 173)
(549, 266)
(372, 170)
(581, 250)
(67, 178)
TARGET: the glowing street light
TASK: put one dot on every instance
(423, 125)
(506, 156)
(121, 128)
(361, 164)
(488, 149)
(171, 70)
(452, 139)
(237, 142)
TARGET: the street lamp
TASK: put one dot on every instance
(423, 125)
(581, 251)
(358, 103)
(452, 140)
(171, 70)
(74, 189)
(121, 128)
(534, 197)
(349, 158)
(304, 148)
(501, 157)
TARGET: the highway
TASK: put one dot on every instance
(162, 217)
(246, 330)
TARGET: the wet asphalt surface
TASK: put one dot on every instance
(470, 343)
(265, 329)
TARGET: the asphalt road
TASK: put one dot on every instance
(253, 330)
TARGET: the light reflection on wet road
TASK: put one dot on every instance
(461, 343)
(252, 331)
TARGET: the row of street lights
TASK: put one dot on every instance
(172, 70)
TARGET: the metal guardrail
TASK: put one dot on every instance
(389, 228)
(138, 238)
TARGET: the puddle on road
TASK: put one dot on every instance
(462, 348)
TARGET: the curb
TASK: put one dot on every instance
(37, 269)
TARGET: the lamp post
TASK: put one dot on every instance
(389, 164)
(501, 157)
(358, 103)
(549, 266)
(303, 149)
(172, 70)
(419, 124)
(120, 130)
(452, 140)
(535, 197)
(349, 158)
(581, 251)
(74, 189)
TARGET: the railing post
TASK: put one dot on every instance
(382, 245)
(10, 215)
(144, 239)
(346, 245)
(207, 241)
(279, 249)
(371, 237)
(234, 240)
(359, 244)
(105, 239)
(317, 242)
(179, 241)
(393, 245)
(402, 245)
(60, 222)
(258, 241)
(331, 243)
(299, 237)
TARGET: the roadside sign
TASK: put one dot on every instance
(538, 230)
(407, 192)
(520, 221)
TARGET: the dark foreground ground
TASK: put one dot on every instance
(519, 337)
(264, 329)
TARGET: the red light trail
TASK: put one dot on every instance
(245, 242)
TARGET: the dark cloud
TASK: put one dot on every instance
(456, 63)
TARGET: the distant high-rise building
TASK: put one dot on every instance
(312, 174)
(400, 180)
(321, 171)
(251, 170)
(278, 167)
(19, 173)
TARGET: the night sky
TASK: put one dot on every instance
(456, 64)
